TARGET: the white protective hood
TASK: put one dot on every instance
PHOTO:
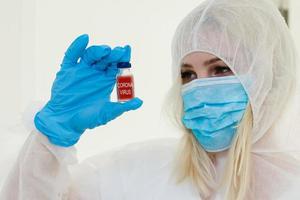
(252, 38)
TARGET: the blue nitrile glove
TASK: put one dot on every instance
(80, 95)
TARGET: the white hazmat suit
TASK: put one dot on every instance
(251, 37)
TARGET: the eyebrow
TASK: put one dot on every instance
(211, 61)
(186, 65)
(208, 62)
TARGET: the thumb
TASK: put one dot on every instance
(117, 108)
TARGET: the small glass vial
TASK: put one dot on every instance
(125, 84)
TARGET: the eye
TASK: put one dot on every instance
(221, 70)
(187, 76)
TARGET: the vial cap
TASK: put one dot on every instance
(124, 65)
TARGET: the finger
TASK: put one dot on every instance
(118, 109)
(113, 70)
(127, 54)
(75, 50)
(94, 54)
(116, 54)
(111, 60)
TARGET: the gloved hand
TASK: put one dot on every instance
(80, 95)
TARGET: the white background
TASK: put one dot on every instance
(35, 34)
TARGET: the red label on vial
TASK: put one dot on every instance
(125, 88)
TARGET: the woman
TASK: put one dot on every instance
(234, 96)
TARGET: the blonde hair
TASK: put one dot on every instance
(194, 163)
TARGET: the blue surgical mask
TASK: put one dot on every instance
(213, 107)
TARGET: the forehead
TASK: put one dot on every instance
(198, 58)
(198, 54)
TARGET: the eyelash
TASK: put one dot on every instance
(187, 74)
(220, 69)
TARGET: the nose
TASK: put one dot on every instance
(202, 74)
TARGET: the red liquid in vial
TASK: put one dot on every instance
(125, 87)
